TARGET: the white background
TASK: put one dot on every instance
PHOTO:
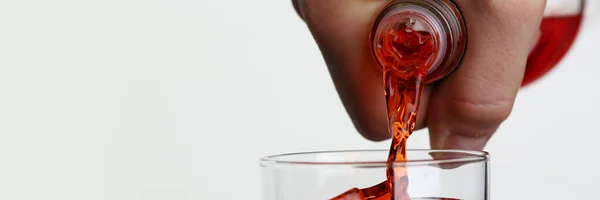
(177, 99)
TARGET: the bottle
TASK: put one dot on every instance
(442, 20)
(558, 31)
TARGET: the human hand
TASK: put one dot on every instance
(463, 110)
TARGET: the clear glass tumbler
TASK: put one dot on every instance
(432, 174)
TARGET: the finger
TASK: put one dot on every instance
(452, 160)
(297, 8)
(470, 104)
(341, 30)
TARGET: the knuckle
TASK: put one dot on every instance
(482, 113)
(518, 13)
(512, 8)
(513, 21)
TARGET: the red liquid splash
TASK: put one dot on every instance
(406, 56)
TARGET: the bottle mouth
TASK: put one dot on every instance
(439, 21)
(414, 18)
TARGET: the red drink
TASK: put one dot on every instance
(557, 36)
(558, 30)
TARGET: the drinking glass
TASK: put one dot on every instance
(432, 174)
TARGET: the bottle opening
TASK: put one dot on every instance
(410, 36)
(419, 36)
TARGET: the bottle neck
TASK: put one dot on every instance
(437, 20)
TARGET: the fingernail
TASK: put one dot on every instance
(457, 142)
(462, 142)
(441, 156)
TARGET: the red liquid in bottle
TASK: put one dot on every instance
(557, 36)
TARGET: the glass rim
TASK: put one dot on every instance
(470, 156)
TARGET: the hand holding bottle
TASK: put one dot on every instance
(463, 110)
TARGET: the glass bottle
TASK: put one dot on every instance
(558, 31)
